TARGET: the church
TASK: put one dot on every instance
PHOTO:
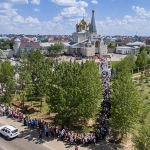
(85, 40)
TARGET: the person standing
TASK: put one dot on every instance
(76, 147)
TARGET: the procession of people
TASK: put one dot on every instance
(62, 132)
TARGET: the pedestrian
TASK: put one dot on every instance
(40, 134)
(76, 147)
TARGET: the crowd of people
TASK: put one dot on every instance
(62, 132)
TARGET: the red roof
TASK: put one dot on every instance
(35, 45)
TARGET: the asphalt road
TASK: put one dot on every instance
(21, 144)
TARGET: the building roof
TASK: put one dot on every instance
(93, 25)
(46, 44)
(31, 45)
(17, 40)
(72, 43)
(123, 47)
(137, 43)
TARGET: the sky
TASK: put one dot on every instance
(59, 17)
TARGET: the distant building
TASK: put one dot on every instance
(130, 48)
(22, 45)
(85, 40)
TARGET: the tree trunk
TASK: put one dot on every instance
(41, 106)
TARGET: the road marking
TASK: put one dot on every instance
(48, 147)
(3, 148)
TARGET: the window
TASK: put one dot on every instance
(14, 131)
(3, 129)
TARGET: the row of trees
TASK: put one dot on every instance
(128, 108)
(7, 80)
(143, 58)
(72, 91)
(4, 45)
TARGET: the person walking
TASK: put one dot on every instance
(76, 147)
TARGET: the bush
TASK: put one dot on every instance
(85, 129)
(136, 78)
(146, 97)
(146, 81)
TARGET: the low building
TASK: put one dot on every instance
(21, 45)
(130, 48)
(7, 53)
(127, 50)
(137, 43)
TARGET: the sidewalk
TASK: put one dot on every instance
(32, 136)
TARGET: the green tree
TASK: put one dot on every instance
(1, 53)
(55, 49)
(130, 59)
(6, 46)
(9, 89)
(142, 59)
(142, 138)
(75, 91)
(142, 48)
(125, 101)
(7, 71)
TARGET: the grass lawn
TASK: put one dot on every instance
(144, 90)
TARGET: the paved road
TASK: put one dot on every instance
(21, 144)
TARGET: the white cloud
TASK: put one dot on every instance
(37, 2)
(31, 20)
(7, 10)
(64, 2)
(74, 11)
(57, 18)
(18, 19)
(36, 9)
(141, 11)
(64, 23)
(94, 1)
(127, 17)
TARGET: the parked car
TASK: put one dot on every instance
(9, 131)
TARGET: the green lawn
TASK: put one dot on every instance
(144, 90)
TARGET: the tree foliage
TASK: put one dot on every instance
(75, 91)
(125, 101)
(55, 49)
(142, 138)
(142, 59)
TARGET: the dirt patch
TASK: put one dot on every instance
(19, 104)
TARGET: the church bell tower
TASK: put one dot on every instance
(92, 28)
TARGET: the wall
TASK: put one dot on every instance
(7, 53)
(111, 50)
(81, 38)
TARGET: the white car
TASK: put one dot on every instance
(9, 131)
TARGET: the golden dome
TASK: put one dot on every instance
(80, 24)
(83, 22)
(77, 25)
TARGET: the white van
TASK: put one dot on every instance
(9, 131)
